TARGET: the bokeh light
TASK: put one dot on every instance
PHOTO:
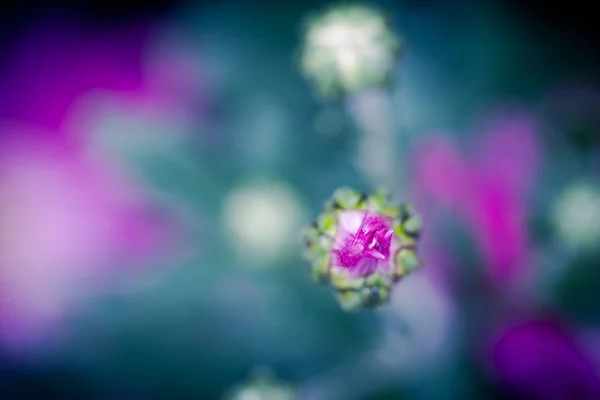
(576, 215)
(264, 220)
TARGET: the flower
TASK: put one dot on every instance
(541, 359)
(67, 222)
(348, 48)
(362, 245)
(72, 219)
(485, 187)
(263, 386)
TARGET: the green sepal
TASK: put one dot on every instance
(379, 280)
(375, 296)
(320, 267)
(327, 223)
(311, 236)
(346, 198)
(350, 300)
(410, 221)
(405, 239)
(406, 262)
(342, 282)
(381, 203)
(412, 226)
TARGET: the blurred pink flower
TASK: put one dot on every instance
(487, 186)
(541, 359)
(65, 219)
(68, 214)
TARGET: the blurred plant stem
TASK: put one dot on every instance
(381, 150)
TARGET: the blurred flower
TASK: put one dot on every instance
(348, 48)
(541, 359)
(576, 215)
(488, 186)
(261, 219)
(362, 245)
(65, 220)
(69, 216)
(263, 386)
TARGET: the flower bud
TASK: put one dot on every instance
(362, 245)
(347, 49)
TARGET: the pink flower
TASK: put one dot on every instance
(487, 186)
(363, 245)
(66, 221)
(364, 242)
(70, 218)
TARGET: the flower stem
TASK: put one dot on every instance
(373, 113)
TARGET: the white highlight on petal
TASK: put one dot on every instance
(351, 220)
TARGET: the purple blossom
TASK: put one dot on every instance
(364, 242)
(65, 221)
(363, 245)
(487, 186)
(541, 359)
(70, 216)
